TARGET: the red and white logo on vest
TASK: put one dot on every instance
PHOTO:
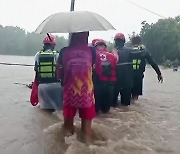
(103, 57)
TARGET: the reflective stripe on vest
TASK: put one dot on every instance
(136, 64)
(139, 47)
(47, 64)
(127, 63)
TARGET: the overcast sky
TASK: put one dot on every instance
(124, 16)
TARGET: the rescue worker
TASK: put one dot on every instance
(124, 71)
(140, 55)
(76, 61)
(49, 88)
(104, 76)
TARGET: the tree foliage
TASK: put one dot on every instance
(110, 46)
(16, 41)
(162, 38)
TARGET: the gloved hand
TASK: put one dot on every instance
(160, 78)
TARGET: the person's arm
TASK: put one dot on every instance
(152, 62)
(60, 65)
(58, 70)
(36, 62)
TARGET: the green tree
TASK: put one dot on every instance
(162, 38)
(110, 46)
(16, 41)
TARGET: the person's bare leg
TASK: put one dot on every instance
(68, 126)
(86, 129)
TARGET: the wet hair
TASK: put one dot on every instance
(101, 44)
(48, 46)
(79, 38)
(119, 43)
(136, 40)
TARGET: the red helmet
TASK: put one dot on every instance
(96, 42)
(119, 36)
(50, 39)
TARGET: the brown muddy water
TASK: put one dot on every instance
(150, 126)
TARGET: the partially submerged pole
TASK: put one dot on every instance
(71, 9)
(72, 5)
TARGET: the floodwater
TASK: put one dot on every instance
(150, 126)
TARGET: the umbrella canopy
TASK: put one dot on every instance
(71, 22)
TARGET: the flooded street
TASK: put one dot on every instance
(150, 126)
